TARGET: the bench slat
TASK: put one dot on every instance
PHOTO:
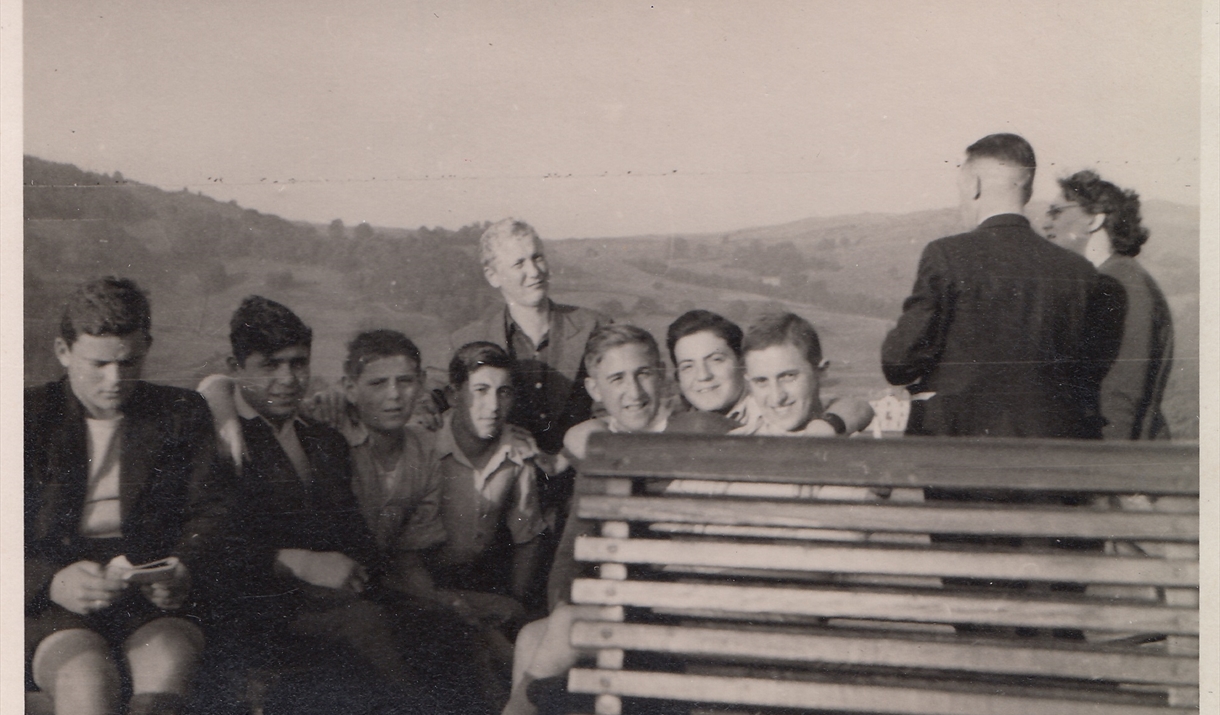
(881, 605)
(975, 463)
(911, 652)
(908, 518)
(893, 561)
(837, 696)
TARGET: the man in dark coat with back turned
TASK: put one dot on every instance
(1004, 334)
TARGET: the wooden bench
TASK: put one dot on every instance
(1065, 582)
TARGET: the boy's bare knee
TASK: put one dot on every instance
(83, 648)
(166, 637)
(75, 666)
(163, 654)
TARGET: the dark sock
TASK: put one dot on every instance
(155, 704)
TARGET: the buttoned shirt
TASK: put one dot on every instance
(538, 383)
(475, 502)
(402, 504)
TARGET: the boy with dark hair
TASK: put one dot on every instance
(489, 507)
(304, 555)
(488, 474)
(117, 472)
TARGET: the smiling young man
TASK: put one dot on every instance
(625, 375)
(784, 368)
(114, 467)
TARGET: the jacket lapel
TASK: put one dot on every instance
(140, 445)
(68, 468)
(569, 349)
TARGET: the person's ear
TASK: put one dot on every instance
(1097, 222)
(349, 388)
(591, 386)
(489, 272)
(231, 363)
(63, 351)
(820, 368)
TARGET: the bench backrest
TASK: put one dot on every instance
(892, 576)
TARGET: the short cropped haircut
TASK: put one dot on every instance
(472, 356)
(784, 329)
(1009, 149)
(499, 231)
(106, 306)
(699, 321)
(613, 335)
(260, 325)
(1121, 207)
(376, 344)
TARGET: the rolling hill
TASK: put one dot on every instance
(198, 257)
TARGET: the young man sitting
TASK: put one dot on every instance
(303, 555)
(489, 502)
(114, 467)
(783, 368)
(626, 375)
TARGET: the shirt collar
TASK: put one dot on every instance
(511, 327)
(507, 449)
(245, 411)
(744, 411)
(355, 432)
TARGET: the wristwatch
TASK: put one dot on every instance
(835, 421)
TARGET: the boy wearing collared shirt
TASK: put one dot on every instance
(488, 475)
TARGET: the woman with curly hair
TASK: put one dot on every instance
(1102, 222)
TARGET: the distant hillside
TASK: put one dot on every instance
(198, 257)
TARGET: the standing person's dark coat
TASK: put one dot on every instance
(1010, 332)
(1132, 390)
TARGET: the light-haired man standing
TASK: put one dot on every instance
(545, 339)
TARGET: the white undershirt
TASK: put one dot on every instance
(102, 515)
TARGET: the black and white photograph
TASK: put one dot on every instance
(632, 358)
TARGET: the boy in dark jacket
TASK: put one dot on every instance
(115, 468)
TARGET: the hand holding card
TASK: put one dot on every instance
(165, 582)
(151, 572)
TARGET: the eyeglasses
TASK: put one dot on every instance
(1055, 210)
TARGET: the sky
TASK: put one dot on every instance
(608, 119)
